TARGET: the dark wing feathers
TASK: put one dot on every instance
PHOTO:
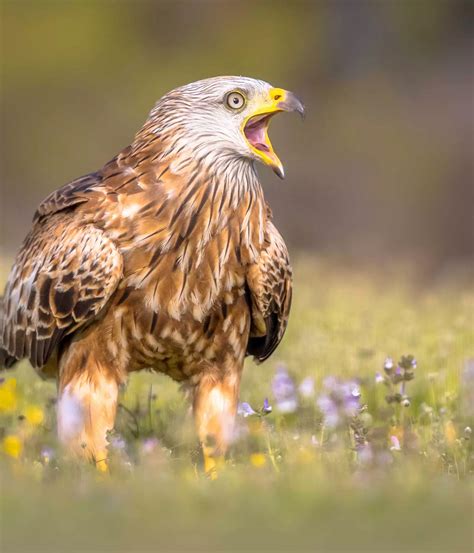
(62, 278)
(270, 287)
(69, 195)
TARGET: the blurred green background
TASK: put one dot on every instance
(381, 167)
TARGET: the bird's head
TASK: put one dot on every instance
(225, 115)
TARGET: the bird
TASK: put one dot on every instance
(166, 259)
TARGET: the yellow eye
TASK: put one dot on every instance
(235, 100)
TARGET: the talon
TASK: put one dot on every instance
(212, 465)
(102, 465)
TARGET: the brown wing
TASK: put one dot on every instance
(69, 195)
(270, 286)
(62, 278)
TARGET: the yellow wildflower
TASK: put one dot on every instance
(258, 459)
(8, 395)
(12, 446)
(34, 415)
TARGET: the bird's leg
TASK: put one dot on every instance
(215, 406)
(88, 392)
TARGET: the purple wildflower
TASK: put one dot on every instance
(404, 371)
(245, 410)
(330, 383)
(284, 390)
(388, 364)
(350, 394)
(117, 442)
(306, 387)
(267, 408)
(330, 411)
(339, 401)
(149, 445)
(379, 378)
(46, 455)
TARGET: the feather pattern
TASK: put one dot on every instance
(62, 278)
(166, 258)
(168, 253)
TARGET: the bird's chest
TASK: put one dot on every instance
(182, 301)
(186, 312)
(180, 346)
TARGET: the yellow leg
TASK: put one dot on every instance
(86, 407)
(215, 405)
(212, 464)
(102, 464)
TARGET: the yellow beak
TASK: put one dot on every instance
(255, 126)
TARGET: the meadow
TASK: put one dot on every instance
(355, 436)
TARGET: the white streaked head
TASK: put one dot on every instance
(224, 115)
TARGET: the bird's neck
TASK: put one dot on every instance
(208, 157)
(217, 194)
(204, 193)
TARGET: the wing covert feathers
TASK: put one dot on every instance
(62, 278)
(69, 195)
(270, 286)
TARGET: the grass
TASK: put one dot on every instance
(326, 470)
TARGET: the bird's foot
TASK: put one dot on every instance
(101, 464)
(212, 465)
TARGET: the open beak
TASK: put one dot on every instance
(255, 127)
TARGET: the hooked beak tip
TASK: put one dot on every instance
(279, 172)
(301, 111)
(292, 103)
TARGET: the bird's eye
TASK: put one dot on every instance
(235, 100)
